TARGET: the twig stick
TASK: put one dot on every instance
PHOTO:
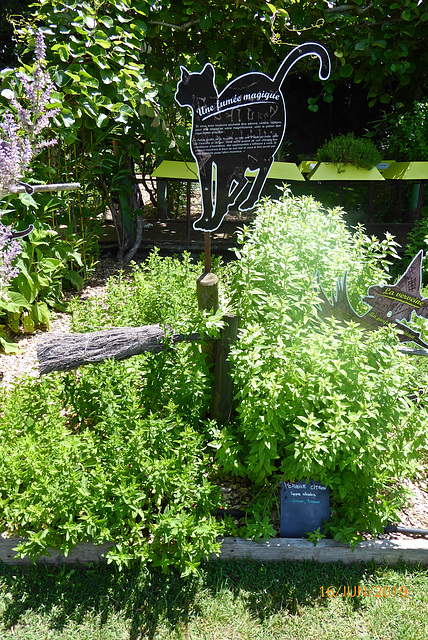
(40, 188)
(63, 352)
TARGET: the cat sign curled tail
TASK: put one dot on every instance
(237, 130)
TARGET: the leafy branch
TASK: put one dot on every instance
(177, 27)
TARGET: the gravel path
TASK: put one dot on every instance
(25, 361)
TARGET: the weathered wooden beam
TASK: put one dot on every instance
(83, 552)
(223, 384)
(274, 550)
(279, 549)
(63, 352)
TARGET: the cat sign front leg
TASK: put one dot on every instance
(256, 187)
(207, 186)
(230, 192)
(221, 189)
(229, 184)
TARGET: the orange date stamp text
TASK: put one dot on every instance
(374, 591)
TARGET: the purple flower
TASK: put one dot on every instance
(21, 129)
(20, 140)
(9, 251)
(40, 49)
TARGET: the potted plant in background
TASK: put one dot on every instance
(346, 157)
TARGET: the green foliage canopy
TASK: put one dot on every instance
(377, 44)
(96, 54)
(118, 61)
(380, 44)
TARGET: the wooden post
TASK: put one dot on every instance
(162, 199)
(188, 197)
(340, 194)
(223, 384)
(207, 247)
(417, 201)
(207, 290)
(369, 215)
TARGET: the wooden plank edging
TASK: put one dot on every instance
(385, 550)
(277, 549)
(84, 552)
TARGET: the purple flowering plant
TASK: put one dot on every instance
(21, 127)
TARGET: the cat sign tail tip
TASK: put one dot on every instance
(324, 58)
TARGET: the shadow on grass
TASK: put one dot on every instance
(147, 599)
(289, 587)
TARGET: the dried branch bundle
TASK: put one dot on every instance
(63, 352)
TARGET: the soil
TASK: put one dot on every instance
(237, 493)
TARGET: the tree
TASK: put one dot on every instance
(10, 10)
(379, 44)
(95, 58)
(378, 52)
(118, 62)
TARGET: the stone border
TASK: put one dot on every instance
(277, 549)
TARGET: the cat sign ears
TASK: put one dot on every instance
(236, 131)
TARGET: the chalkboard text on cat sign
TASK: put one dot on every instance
(237, 130)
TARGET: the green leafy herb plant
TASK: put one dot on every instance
(118, 452)
(318, 399)
(44, 265)
(91, 461)
(347, 150)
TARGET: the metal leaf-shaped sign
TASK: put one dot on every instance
(388, 304)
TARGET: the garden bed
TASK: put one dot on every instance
(124, 451)
(236, 492)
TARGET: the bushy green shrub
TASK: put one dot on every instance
(404, 135)
(122, 451)
(347, 149)
(45, 266)
(291, 240)
(85, 456)
(118, 451)
(158, 290)
(314, 399)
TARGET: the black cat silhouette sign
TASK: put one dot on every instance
(389, 304)
(237, 130)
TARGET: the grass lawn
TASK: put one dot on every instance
(228, 600)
